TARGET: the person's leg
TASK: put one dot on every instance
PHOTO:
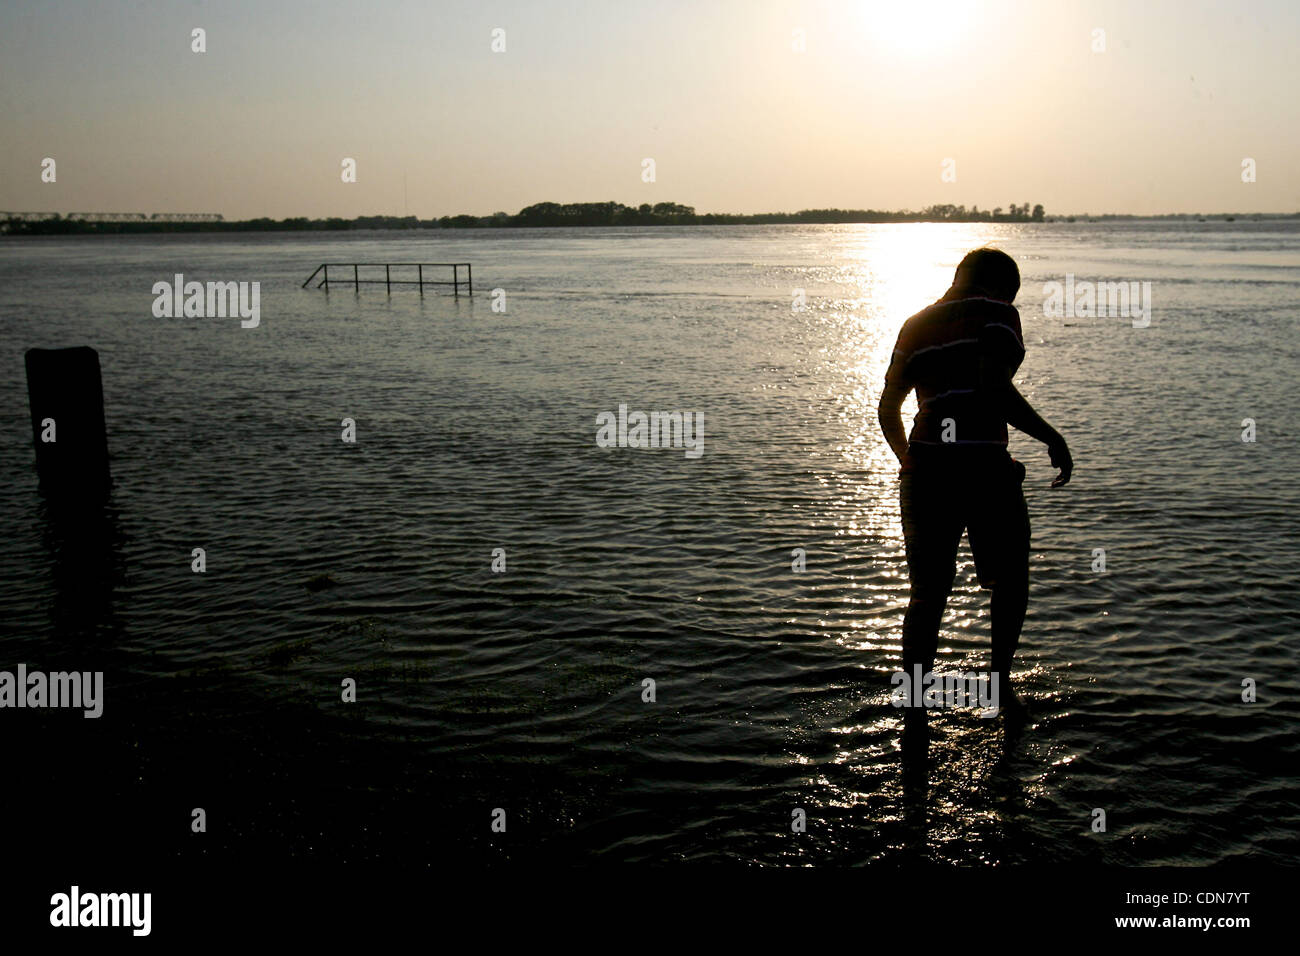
(931, 531)
(1010, 599)
(921, 626)
(999, 536)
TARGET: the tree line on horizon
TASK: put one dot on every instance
(551, 214)
(539, 215)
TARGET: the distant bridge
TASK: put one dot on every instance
(115, 216)
(186, 217)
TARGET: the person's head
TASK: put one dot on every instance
(987, 272)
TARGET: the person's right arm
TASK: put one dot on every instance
(890, 415)
(996, 386)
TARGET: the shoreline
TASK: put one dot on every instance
(62, 227)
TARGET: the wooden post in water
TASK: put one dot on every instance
(327, 278)
(420, 267)
(387, 282)
(355, 283)
(66, 395)
(470, 269)
(455, 279)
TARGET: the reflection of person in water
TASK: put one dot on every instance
(960, 355)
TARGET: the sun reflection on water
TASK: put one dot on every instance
(892, 273)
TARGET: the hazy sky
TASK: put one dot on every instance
(713, 90)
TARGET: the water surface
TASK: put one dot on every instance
(523, 690)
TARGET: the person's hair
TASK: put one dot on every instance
(989, 272)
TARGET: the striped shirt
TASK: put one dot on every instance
(938, 352)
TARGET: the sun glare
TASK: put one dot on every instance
(915, 27)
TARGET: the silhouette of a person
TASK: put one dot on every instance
(960, 355)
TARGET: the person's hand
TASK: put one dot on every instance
(1060, 453)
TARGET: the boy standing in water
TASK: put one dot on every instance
(960, 355)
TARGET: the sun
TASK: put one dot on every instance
(915, 28)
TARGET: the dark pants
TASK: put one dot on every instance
(948, 491)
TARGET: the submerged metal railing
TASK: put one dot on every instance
(388, 281)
